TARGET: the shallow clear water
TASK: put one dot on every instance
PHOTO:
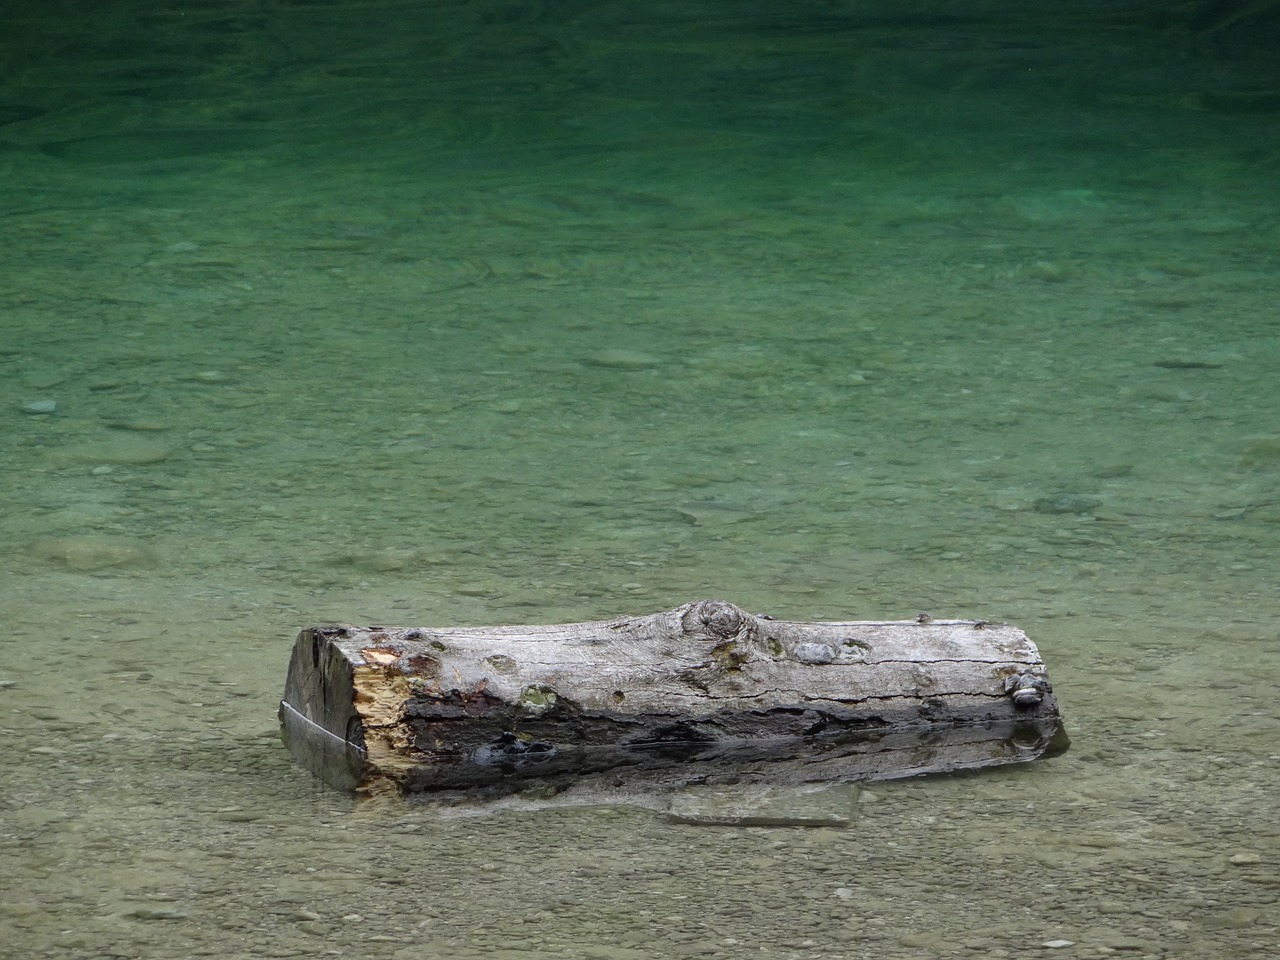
(506, 312)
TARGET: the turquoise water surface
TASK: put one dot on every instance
(512, 312)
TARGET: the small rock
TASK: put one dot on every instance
(1066, 503)
(1133, 943)
(1235, 919)
(1049, 271)
(139, 425)
(1243, 859)
(919, 939)
(1056, 944)
(1182, 363)
(39, 407)
(124, 449)
(156, 913)
(620, 359)
(1261, 452)
(90, 554)
(385, 560)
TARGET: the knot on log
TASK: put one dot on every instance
(1027, 689)
(716, 620)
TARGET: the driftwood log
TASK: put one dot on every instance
(704, 693)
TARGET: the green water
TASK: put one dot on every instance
(507, 312)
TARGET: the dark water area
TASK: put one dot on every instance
(505, 312)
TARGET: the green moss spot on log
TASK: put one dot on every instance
(730, 656)
(537, 700)
(502, 664)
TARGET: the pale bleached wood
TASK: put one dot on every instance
(412, 709)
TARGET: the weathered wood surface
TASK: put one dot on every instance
(705, 687)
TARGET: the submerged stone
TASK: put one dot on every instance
(91, 554)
